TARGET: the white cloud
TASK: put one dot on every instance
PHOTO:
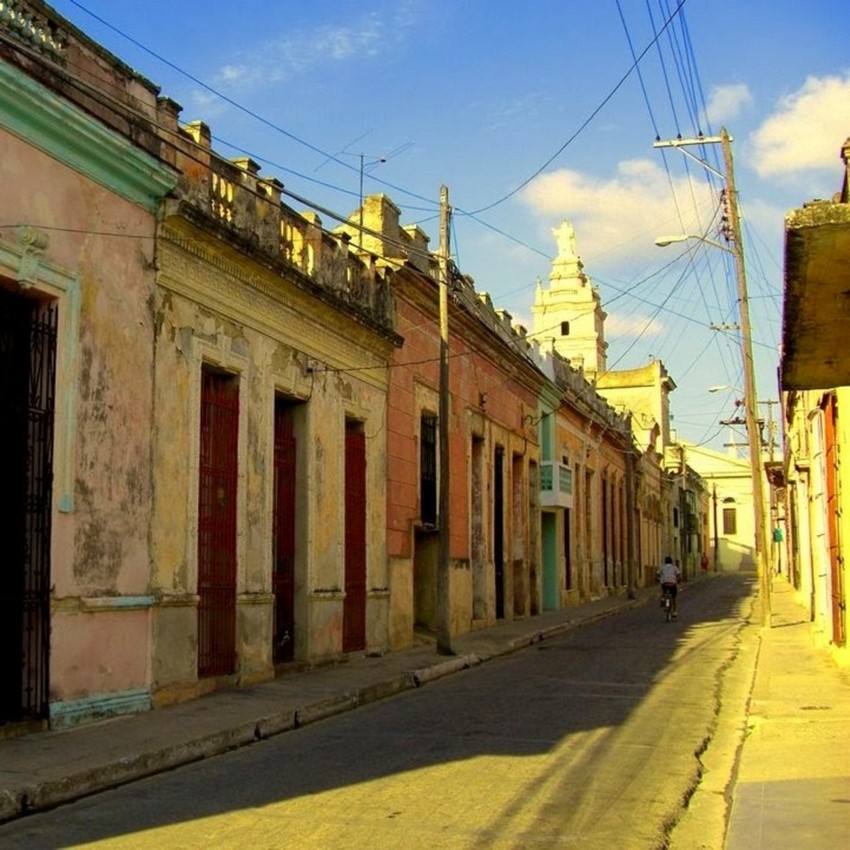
(300, 51)
(623, 214)
(727, 102)
(806, 131)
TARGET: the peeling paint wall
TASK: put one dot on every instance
(101, 520)
(233, 315)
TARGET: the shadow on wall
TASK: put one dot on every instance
(733, 556)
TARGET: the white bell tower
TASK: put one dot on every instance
(569, 312)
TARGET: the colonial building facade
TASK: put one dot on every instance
(268, 542)
(198, 384)
(223, 416)
(77, 261)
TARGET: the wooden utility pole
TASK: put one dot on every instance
(750, 394)
(733, 235)
(444, 640)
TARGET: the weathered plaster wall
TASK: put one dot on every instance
(488, 404)
(230, 314)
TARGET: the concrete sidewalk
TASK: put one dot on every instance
(41, 770)
(792, 788)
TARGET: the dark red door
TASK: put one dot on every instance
(283, 577)
(354, 608)
(832, 510)
(217, 524)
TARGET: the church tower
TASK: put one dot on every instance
(568, 314)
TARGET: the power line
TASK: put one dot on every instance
(584, 123)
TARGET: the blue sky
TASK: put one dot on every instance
(532, 113)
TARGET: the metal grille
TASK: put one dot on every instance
(217, 524)
(283, 543)
(354, 611)
(27, 378)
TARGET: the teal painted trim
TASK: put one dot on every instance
(64, 715)
(65, 501)
(546, 427)
(42, 118)
(113, 603)
(24, 262)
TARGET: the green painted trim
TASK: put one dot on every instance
(116, 603)
(41, 117)
(24, 262)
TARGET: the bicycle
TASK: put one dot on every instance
(667, 603)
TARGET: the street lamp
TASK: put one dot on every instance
(736, 248)
(737, 420)
(664, 241)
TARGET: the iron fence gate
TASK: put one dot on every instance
(27, 380)
(217, 524)
(283, 543)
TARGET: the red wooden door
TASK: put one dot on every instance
(217, 524)
(354, 607)
(832, 510)
(283, 577)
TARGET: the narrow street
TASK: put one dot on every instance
(585, 741)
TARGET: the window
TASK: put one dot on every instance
(565, 328)
(428, 469)
(730, 521)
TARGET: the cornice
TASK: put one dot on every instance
(40, 117)
(270, 305)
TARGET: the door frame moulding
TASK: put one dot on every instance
(23, 261)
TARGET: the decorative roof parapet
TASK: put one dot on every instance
(575, 389)
(33, 28)
(236, 198)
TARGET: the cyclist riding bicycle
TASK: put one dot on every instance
(669, 575)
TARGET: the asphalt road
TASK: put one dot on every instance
(590, 740)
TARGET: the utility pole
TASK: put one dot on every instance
(773, 513)
(444, 641)
(771, 427)
(750, 394)
(732, 233)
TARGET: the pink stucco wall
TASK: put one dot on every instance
(104, 244)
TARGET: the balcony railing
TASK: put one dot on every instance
(556, 485)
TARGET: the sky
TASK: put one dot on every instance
(531, 114)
